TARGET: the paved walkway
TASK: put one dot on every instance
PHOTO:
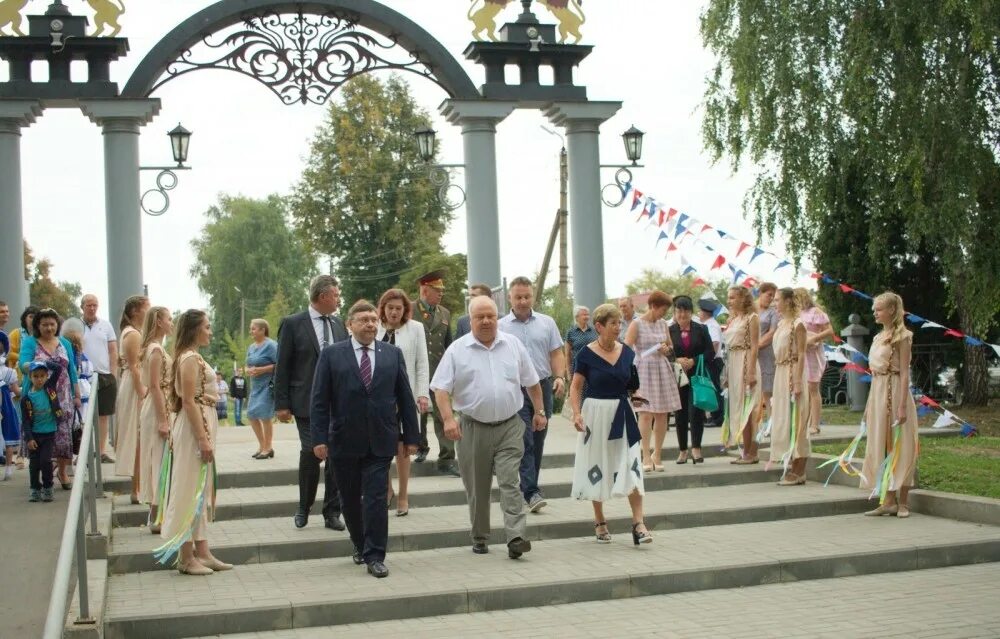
(952, 603)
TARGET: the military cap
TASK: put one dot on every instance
(434, 279)
(707, 305)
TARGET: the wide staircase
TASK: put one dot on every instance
(716, 526)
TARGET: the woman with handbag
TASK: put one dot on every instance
(694, 350)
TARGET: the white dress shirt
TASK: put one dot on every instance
(317, 323)
(485, 383)
(357, 346)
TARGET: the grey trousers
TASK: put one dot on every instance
(483, 450)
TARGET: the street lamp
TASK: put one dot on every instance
(166, 180)
(439, 174)
(623, 176)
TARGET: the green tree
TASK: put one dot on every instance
(247, 253)
(364, 199)
(47, 293)
(455, 270)
(651, 279)
(904, 93)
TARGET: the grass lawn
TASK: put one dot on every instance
(964, 465)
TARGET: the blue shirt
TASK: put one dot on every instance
(43, 421)
(540, 336)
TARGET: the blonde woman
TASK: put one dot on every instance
(818, 330)
(789, 400)
(155, 416)
(742, 337)
(891, 413)
(190, 496)
(131, 391)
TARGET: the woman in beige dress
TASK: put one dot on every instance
(891, 453)
(190, 499)
(790, 397)
(154, 414)
(131, 391)
(743, 400)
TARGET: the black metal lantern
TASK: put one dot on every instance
(633, 144)
(180, 140)
(426, 141)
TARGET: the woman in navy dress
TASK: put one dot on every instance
(262, 356)
(608, 457)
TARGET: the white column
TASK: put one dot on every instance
(121, 121)
(479, 120)
(14, 114)
(582, 121)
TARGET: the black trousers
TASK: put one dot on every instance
(309, 474)
(40, 461)
(689, 417)
(363, 482)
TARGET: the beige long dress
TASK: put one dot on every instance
(126, 416)
(187, 463)
(741, 397)
(151, 444)
(880, 413)
(785, 358)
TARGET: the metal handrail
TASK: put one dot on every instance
(74, 537)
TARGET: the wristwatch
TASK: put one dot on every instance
(540, 412)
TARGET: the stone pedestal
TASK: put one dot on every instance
(855, 334)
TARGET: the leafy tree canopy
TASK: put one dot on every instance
(46, 292)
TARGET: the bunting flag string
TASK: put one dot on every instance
(685, 222)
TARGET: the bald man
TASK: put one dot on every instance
(100, 345)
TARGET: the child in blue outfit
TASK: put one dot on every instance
(40, 413)
(10, 389)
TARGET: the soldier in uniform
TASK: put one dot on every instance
(437, 329)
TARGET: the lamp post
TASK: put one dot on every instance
(166, 180)
(623, 176)
(439, 174)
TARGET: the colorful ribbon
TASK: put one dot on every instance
(166, 466)
(169, 550)
(845, 459)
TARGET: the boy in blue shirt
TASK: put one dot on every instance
(40, 413)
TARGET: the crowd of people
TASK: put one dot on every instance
(360, 389)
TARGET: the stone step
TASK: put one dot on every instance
(282, 501)
(958, 601)
(244, 541)
(428, 583)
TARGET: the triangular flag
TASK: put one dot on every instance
(972, 341)
(817, 276)
(743, 247)
(996, 349)
(722, 233)
(927, 401)
(845, 288)
(719, 261)
(865, 379)
(827, 279)
(688, 270)
(943, 422)
(709, 294)
(737, 274)
(781, 264)
(680, 230)
(671, 213)
(663, 236)
(683, 218)
(914, 319)
(704, 228)
(671, 246)
(652, 208)
(698, 282)
(863, 296)
(719, 310)
(636, 198)
(930, 324)
(950, 332)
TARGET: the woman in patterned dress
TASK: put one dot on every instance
(743, 400)
(890, 403)
(818, 330)
(130, 391)
(45, 345)
(190, 500)
(657, 383)
(790, 401)
(154, 413)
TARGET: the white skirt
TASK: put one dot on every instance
(604, 468)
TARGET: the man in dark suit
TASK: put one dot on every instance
(301, 337)
(464, 324)
(360, 395)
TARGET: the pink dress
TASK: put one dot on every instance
(656, 374)
(815, 320)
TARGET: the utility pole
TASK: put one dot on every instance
(558, 231)
(243, 312)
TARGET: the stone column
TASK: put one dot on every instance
(582, 121)
(14, 114)
(855, 334)
(121, 120)
(479, 120)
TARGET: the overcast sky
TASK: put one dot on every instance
(247, 142)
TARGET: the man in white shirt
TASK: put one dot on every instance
(480, 377)
(706, 316)
(100, 345)
(628, 316)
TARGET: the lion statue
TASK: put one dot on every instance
(10, 15)
(570, 21)
(485, 18)
(106, 14)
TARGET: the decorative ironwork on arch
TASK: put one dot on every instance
(300, 57)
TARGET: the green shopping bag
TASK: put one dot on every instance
(702, 389)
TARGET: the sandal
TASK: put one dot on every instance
(885, 510)
(902, 512)
(814, 431)
(402, 508)
(647, 468)
(604, 537)
(640, 537)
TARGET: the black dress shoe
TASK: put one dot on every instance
(421, 456)
(358, 559)
(517, 547)
(301, 518)
(480, 548)
(378, 570)
(334, 523)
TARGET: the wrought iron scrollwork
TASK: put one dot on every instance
(450, 195)
(614, 194)
(165, 181)
(301, 57)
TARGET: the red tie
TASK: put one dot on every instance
(366, 368)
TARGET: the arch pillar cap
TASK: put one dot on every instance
(565, 114)
(22, 112)
(141, 110)
(456, 111)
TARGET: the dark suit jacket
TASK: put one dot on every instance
(353, 420)
(298, 350)
(701, 344)
(462, 327)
